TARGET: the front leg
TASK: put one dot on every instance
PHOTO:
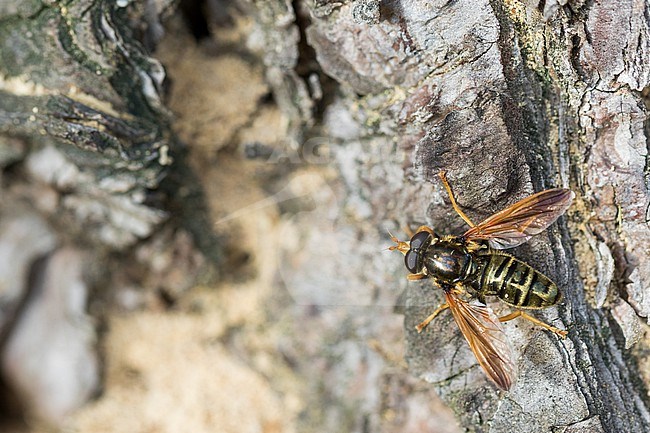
(415, 277)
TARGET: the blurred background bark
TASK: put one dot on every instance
(196, 195)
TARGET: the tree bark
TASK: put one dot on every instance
(507, 97)
(74, 77)
(85, 140)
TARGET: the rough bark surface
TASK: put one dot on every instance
(312, 128)
(74, 78)
(85, 138)
(508, 102)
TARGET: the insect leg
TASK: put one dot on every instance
(443, 177)
(415, 277)
(538, 322)
(428, 320)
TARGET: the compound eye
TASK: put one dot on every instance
(413, 262)
(421, 240)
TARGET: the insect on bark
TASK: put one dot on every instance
(472, 266)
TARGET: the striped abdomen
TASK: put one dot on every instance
(514, 282)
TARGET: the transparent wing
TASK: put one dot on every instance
(516, 224)
(484, 333)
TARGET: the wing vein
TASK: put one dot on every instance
(519, 222)
(486, 338)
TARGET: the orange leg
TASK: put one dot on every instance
(538, 322)
(415, 277)
(433, 315)
(443, 177)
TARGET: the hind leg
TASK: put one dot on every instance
(561, 333)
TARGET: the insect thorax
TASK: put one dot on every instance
(449, 262)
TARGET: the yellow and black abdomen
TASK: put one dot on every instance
(514, 282)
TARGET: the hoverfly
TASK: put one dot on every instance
(472, 266)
